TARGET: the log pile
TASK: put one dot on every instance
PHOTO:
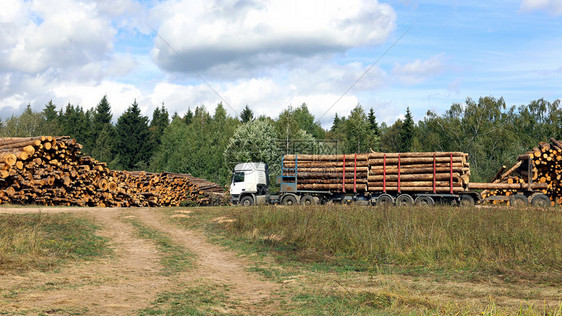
(379, 172)
(346, 173)
(544, 163)
(49, 170)
(438, 172)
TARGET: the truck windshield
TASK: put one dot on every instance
(238, 177)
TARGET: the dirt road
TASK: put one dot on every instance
(131, 278)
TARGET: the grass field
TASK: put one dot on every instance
(352, 259)
(43, 241)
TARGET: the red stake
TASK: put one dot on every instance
(451, 182)
(355, 175)
(343, 179)
(384, 174)
(434, 190)
(398, 173)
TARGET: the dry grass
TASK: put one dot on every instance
(39, 241)
(517, 241)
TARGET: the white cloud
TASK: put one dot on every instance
(419, 70)
(554, 7)
(256, 33)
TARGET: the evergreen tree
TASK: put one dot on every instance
(373, 125)
(102, 114)
(160, 120)
(335, 124)
(188, 118)
(50, 112)
(247, 115)
(407, 132)
(104, 147)
(133, 146)
(51, 119)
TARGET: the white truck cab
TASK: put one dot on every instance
(249, 180)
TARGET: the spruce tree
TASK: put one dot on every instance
(188, 118)
(50, 112)
(134, 144)
(247, 115)
(160, 120)
(373, 125)
(335, 124)
(407, 132)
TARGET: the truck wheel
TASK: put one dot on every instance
(289, 200)
(247, 201)
(308, 200)
(404, 200)
(518, 200)
(424, 201)
(540, 200)
(467, 201)
(385, 200)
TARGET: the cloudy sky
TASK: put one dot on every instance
(270, 54)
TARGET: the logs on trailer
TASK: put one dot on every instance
(51, 171)
(544, 163)
(388, 172)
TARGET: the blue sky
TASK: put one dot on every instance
(270, 54)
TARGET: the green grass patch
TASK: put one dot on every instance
(176, 258)
(198, 300)
(496, 241)
(43, 241)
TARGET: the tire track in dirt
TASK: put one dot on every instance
(215, 265)
(121, 284)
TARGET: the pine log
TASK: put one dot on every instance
(378, 155)
(415, 184)
(416, 160)
(418, 170)
(415, 177)
(405, 189)
(505, 186)
(326, 157)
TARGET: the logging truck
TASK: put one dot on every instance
(384, 179)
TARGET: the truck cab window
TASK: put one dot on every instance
(238, 177)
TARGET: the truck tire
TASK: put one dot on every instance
(404, 200)
(289, 200)
(248, 200)
(518, 200)
(467, 201)
(424, 201)
(540, 200)
(308, 200)
(385, 200)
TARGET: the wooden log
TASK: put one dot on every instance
(405, 189)
(415, 184)
(331, 175)
(325, 157)
(419, 170)
(331, 187)
(8, 158)
(415, 177)
(322, 164)
(375, 155)
(416, 160)
(505, 186)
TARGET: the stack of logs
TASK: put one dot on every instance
(328, 172)
(378, 172)
(546, 172)
(51, 171)
(438, 172)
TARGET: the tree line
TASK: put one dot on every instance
(208, 144)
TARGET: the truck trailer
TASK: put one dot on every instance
(377, 179)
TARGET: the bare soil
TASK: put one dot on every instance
(130, 279)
